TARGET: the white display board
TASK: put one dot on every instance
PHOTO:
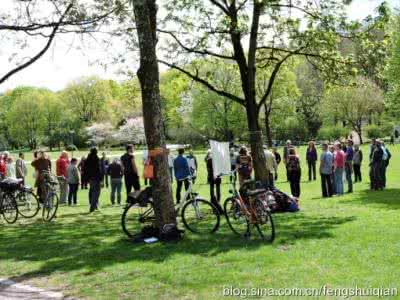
(220, 157)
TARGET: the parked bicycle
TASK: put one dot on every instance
(27, 201)
(50, 195)
(198, 214)
(249, 208)
(8, 204)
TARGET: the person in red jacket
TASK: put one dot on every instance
(3, 164)
(62, 174)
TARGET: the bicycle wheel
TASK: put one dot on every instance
(9, 209)
(200, 216)
(135, 218)
(265, 224)
(50, 207)
(237, 220)
(28, 204)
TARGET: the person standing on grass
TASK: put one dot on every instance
(145, 156)
(357, 160)
(349, 165)
(311, 157)
(376, 166)
(10, 168)
(20, 167)
(73, 182)
(3, 164)
(332, 150)
(271, 166)
(81, 168)
(339, 165)
(244, 165)
(325, 170)
(386, 158)
(294, 172)
(130, 170)
(214, 182)
(95, 177)
(192, 161)
(278, 160)
(286, 155)
(62, 175)
(41, 165)
(233, 157)
(104, 162)
(116, 173)
(171, 159)
(182, 173)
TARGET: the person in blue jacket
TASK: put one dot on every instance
(182, 173)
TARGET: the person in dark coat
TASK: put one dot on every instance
(214, 182)
(294, 172)
(94, 176)
(376, 166)
(311, 157)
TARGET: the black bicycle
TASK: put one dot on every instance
(198, 215)
(8, 204)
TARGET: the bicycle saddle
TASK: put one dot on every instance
(256, 192)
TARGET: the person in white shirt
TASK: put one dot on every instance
(10, 168)
(271, 164)
(171, 159)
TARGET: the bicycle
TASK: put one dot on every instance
(242, 211)
(198, 214)
(8, 204)
(27, 201)
(51, 201)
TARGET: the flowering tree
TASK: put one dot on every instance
(101, 133)
(131, 132)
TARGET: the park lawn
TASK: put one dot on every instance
(346, 241)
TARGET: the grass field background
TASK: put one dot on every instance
(346, 241)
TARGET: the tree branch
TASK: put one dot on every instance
(194, 50)
(41, 53)
(204, 82)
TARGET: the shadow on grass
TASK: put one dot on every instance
(92, 243)
(389, 199)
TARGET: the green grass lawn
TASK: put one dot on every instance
(341, 242)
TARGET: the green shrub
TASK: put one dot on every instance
(332, 133)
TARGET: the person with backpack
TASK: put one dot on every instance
(244, 165)
(294, 172)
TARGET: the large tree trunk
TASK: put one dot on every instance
(256, 143)
(148, 73)
(268, 130)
